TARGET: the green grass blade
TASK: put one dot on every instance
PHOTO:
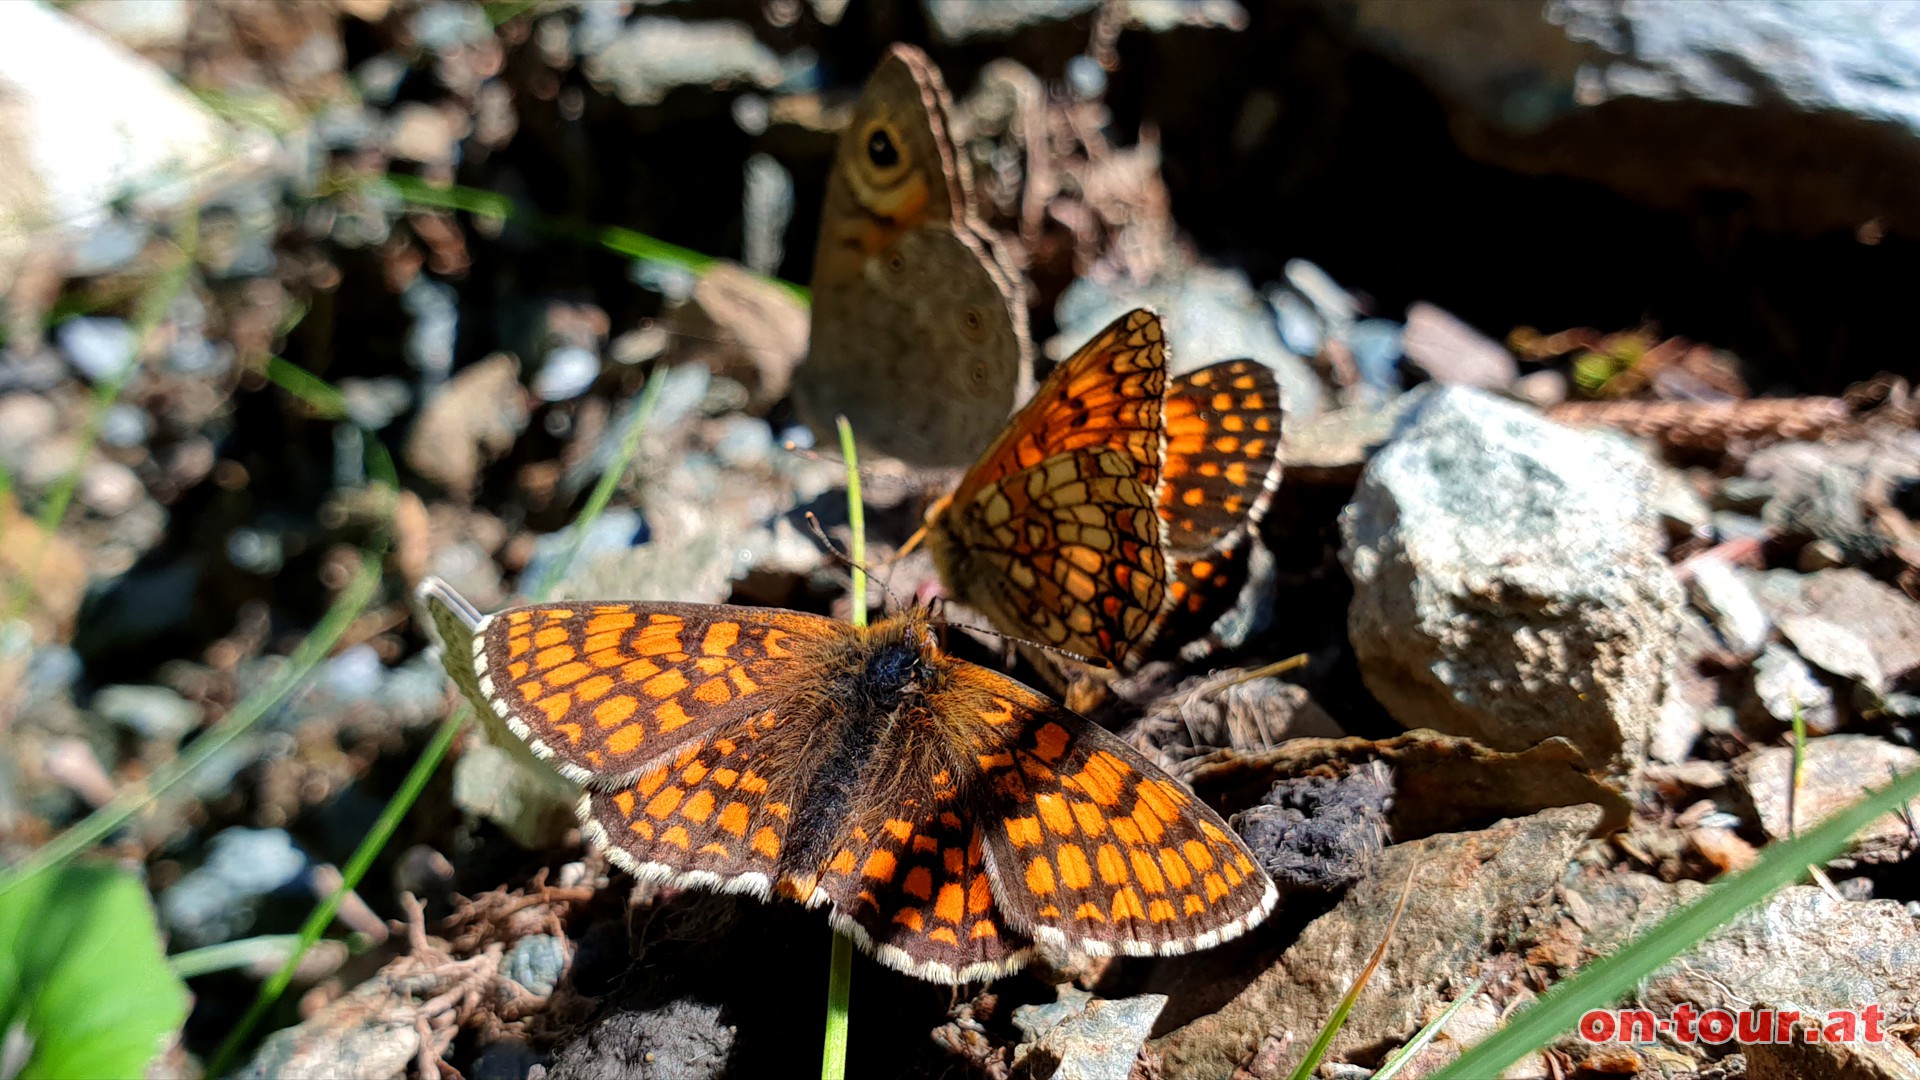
(96, 826)
(1609, 978)
(833, 1054)
(1399, 1058)
(1316, 1052)
(229, 955)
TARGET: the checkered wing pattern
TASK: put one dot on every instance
(1053, 534)
(1222, 469)
(608, 691)
(1093, 848)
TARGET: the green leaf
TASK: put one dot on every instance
(82, 972)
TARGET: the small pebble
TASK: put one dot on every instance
(255, 550)
(566, 373)
(125, 426)
(154, 712)
(537, 962)
(1378, 345)
(1087, 78)
(110, 489)
(98, 348)
(1301, 330)
(355, 673)
(435, 308)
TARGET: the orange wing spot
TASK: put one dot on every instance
(1163, 798)
(983, 929)
(1023, 831)
(552, 635)
(1240, 860)
(779, 810)
(1001, 760)
(1103, 778)
(712, 665)
(1151, 827)
(1113, 865)
(1089, 912)
(573, 732)
(713, 692)
(651, 782)
(951, 904)
(944, 936)
(1148, 873)
(677, 836)
(1161, 911)
(595, 688)
(642, 828)
(734, 818)
(1001, 713)
(602, 649)
(615, 711)
(1126, 831)
(1216, 888)
(1054, 811)
(766, 843)
(625, 801)
(924, 843)
(1074, 871)
(1175, 868)
(955, 861)
(725, 746)
(880, 866)
(715, 849)
(1048, 911)
(1092, 821)
(1050, 742)
(950, 819)
(1126, 905)
(693, 773)
(604, 623)
(665, 802)
(909, 918)
(1198, 855)
(555, 706)
(699, 808)
(919, 883)
(898, 829)
(518, 647)
(1212, 832)
(721, 638)
(518, 669)
(1193, 496)
(842, 863)
(979, 895)
(529, 689)
(1040, 877)
(670, 716)
(554, 657)
(752, 782)
(639, 671)
(665, 685)
(628, 738)
(725, 777)
(1234, 876)
(740, 680)
(770, 643)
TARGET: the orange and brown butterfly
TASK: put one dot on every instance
(1221, 469)
(948, 817)
(1054, 534)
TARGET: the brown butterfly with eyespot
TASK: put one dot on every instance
(919, 333)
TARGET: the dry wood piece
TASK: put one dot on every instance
(1711, 425)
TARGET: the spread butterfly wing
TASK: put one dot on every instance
(1094, 848)
(608, 691)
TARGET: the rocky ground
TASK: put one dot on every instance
(1561, 592)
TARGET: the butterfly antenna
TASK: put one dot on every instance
(1090, 661)
(833, 549)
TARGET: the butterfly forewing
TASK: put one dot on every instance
(608, 690)
(1222, 461)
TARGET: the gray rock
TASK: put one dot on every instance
(1211, 314)
(1780, 81)
(1301, 329)
(1784, 685)
(767, 209)
(1454, 353)
(1377, 346)
(435, 308)
(1508, 584)
(1846, 622)
(98, 348)
(109, 488)
(216, 901)
(1819, 490)
(1081, 1037)
(1721, 593)
(652, 56)
(537, 962)
(1835, 772)
(471, 420)
(1684, 513)
(154, 712)
(566, 373)
(125, 426)
(1815, 1060)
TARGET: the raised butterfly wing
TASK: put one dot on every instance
(1222, 468)
(1053, 533)
(609, 691)
(1091, 846)
(919, 335)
